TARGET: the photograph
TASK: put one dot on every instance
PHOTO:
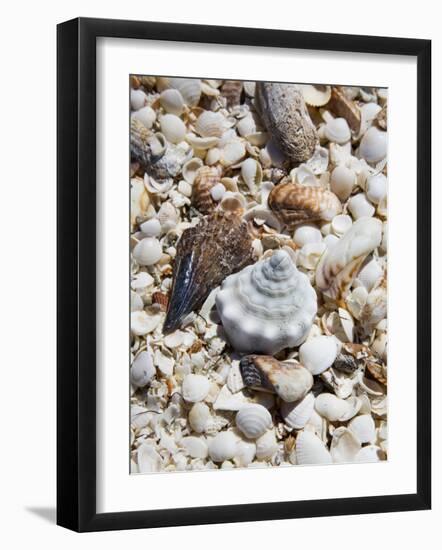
(258, 274)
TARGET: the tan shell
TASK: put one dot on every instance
(285, 115)
(231, 90)
(343, 107)
(206, 178)
(315, 95)
(382, 118)
(293, 203)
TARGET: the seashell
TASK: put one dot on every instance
(262, 372)
(148, 459)
(297, 414)
(190, 169)
(335, 409)
(148, 251)
(376, 187)
(195, 388)
(206, 178)
(141, 280)
(201, 143)
(142, 370)
(249, 88)
(172, 101)
(210, 124)
(234, 203)
(145, 115)
(232, 90)
(266, 446)
(199, 416)
(382, 118)
(373, 147)
(261, 216)
(315, 95)
(160, 299)
(136, 302)
(206, 254)
(217, 192)
(344, 445)
(307, 233)
(359, 206)
(337, 131)
(173, 128)
(245, 453)
(141, 323)
(246, 126)
(341, 224)
(139, 200)
(340, 324)
(363, 428)
(342, 181)
(190, 88)
(342, 106)
(228, 401)
(311, 450)
(223, 446)
(251, 173)
(339, 265)
(369, 275)
(138, 99)
(318, 163)
(151, 228)
(370, 453)
(232, 152)
(309, 255)
(268, 306)
(195, 447)
(319, 353)
(253, 420)
(294, 203)
(330, 240)
(285, 115)
(235, 382)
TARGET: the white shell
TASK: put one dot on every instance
(217, 192)
(232, 152)
(142, 323)
(332, 408)
(210, 124)
(373, 147)
(201, 143)
(190, 168)
(173, 128)
(370, 453)
(172, 101)
(376, 187)
(363, 428)
(146, 115)
(228, 401)
(223, 446)
(148, 251)
(340, 224)
(148, 459)
(311, 450)
(267, 306)
(141, 280)
(196, 447)
(138, 99)
(342, 181)
(297, 414)
(253, 420)
(142, 370)
(316, 96)
(266, 446)
(168, 216)
(195, 387)
(190, 88)
(307, 233)
(338, 265)
(235, 382)
(251, 173)
(319, 353)
(369, 275)
(344, 446)
(245, 453)
(151, 228)
(309, 255)
(246, 125)
(337, 130)
(359, 206)
(136, 302)
(199, 416)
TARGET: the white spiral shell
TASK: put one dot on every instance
(268, 306)
(253, 420)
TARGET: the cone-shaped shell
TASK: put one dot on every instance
(268, 306)
(206, 254)
(294, 203)
(265, 373)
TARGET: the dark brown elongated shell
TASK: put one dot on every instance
(286, 117)
(293, 203)
(341, 106)
(206, 178)
(206, 254)
(232, 90)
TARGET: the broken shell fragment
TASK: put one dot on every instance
(333, 408)
(253, 420)
(344, 445)
(315, 95)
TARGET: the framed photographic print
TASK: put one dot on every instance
(243, 274)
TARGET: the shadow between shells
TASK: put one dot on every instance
(258, 274)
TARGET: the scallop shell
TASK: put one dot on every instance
(344, 445)
(195, 388)
(268, 306)
(172, 101)
(199, 416)
(262, 372)
(333, 408)
(206, 254)
(294, 203)
(340, 264)
(373, 147)
(223, 446)
(190, 88)
(311, 450)
(142, 370)
(285, 115)
(315, 95)
(232, 90)
(253, 420)
(319, 353)
(297, 414)
(206, 178)
(210, 124)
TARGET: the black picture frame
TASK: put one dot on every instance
(76, 273)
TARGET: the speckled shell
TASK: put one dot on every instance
(339, 265)
(268, 306)
(263, 372)
(206, 254)
(206, 178)
(285, 115)
(232, 90)
(253, 420)
(293, 203)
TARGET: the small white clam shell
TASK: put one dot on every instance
(369, 275)
(297, 414)
(228, 401)
(172, 101)
(363, 428)
(142, 370)
(246, 125)
(212, 156)
(251, 173)
(136, 302)
(342, 181)
(376, 188)
(195, 447)
(164, 363)
(245, 453)
(190, 88)
(340, 224)
(344, 445)
(311, 450)
(138, 99)
(307, 233)
(146, 115)
(217, 192)
(151, 228)
(148, 251)
(173, 128)
(141, 281)
(195, 387)
(148, 459)
(253, 420)
(319, 353)
(232, 152)
(223, 446)
(190, 168)
(359, 206)
(142, 323)
(316, 96)
(373, 147)
(333, 408)
(337, 130)
(266, 446)
(201, 143)
(199, 416)
(370, 453)
(210, 124)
